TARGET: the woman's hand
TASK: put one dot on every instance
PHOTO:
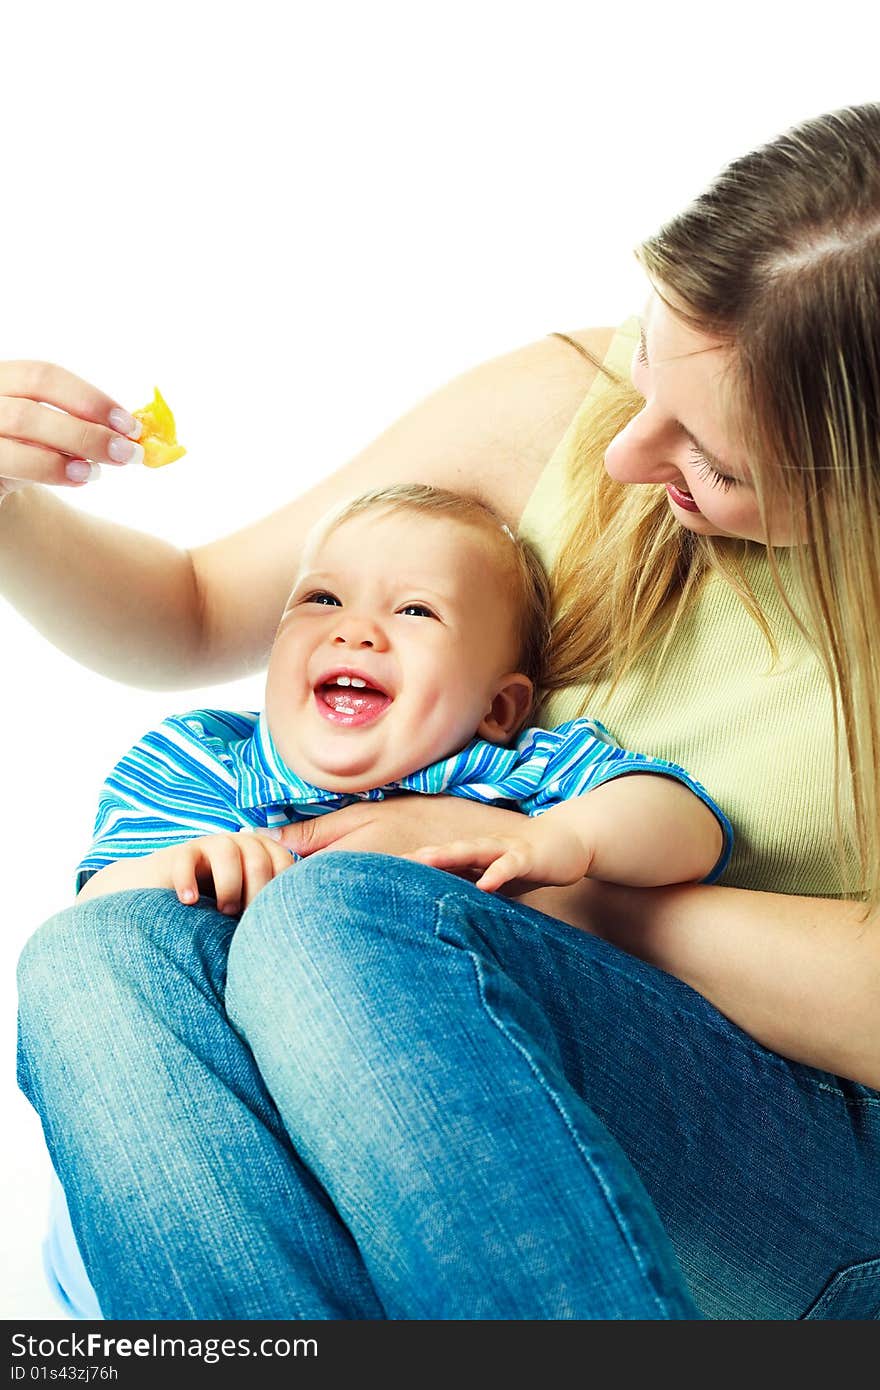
(399, 825)
(61, 447)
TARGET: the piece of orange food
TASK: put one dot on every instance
(159, 436)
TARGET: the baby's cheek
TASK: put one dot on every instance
(464, 711)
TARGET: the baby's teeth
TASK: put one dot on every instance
(355, 680)
(343, 680)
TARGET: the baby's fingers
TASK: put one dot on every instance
(261, 860)
(514, 863)
(218, 866)
(185, 860)
(465, 857)
(457, 854)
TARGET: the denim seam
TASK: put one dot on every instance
(557, 1104)
(764, 1054)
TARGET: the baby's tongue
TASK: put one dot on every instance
(350, 701)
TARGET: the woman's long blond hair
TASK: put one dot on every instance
(780, 259)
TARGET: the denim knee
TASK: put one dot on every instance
(85, 955)
(332, 913)
(344, 896)
(57, 969)
(74, 948)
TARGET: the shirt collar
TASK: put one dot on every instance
(264, 780)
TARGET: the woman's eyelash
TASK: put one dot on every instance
(709, 474)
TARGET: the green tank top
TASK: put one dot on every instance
(760, 741)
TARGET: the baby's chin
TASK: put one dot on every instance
(360, 760)
(346, 770)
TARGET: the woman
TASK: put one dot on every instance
(384, 1094)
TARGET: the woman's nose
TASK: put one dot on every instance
(641, 453)
(359, 632)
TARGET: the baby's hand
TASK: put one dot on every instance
(230, 868)
(544, 853)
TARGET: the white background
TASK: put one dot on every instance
(297, 221)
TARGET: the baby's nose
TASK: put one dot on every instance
(359, 632)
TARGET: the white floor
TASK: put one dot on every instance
(24, 1292)
(38, 888)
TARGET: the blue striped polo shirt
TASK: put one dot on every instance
(212, 771)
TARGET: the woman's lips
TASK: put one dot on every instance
(350, 707)
(682, 499)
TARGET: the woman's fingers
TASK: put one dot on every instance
(50, 419)
(46, 381)
(313, 833)
(41, 424)
(24, 464)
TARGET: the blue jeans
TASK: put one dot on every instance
(382, 1093)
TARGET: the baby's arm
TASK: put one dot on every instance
(643, 830)
(150, 871)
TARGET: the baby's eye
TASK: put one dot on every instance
(417, 610)
(330, 600)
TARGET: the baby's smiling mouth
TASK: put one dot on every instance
(350, 700)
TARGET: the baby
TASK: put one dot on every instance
(407, 659)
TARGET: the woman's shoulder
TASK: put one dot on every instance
(544, 515)
(540, 388)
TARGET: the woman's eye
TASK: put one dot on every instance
(322, 597)
(417, 610)
(709, 474)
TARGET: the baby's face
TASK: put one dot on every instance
(392, 650)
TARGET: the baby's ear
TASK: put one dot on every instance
(509, 710)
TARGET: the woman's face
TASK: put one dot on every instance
(678, 438)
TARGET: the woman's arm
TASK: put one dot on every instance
(141, 611)
(800, 975)
(119, 601)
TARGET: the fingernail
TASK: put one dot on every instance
(123, 422)
(123, 451)
(273, 832)
(81, 472)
